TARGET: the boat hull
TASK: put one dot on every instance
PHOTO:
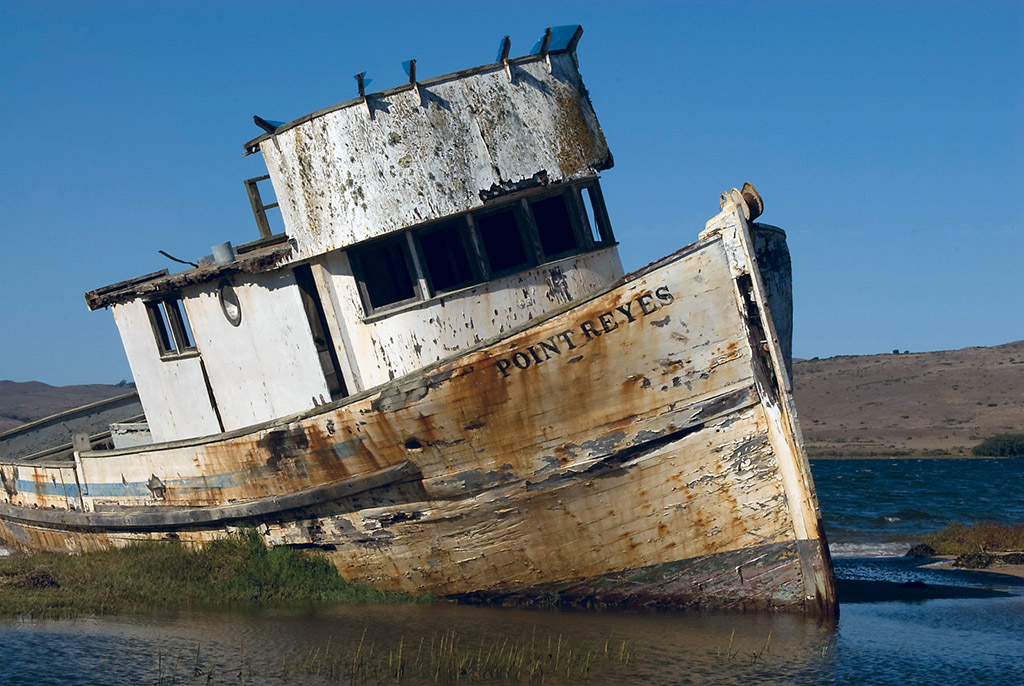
(638, 447)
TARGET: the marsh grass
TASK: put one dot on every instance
(147, 576)
(448, 658)
(960, 539)
(730, 654)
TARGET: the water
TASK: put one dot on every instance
(882, 507)
(871, 507)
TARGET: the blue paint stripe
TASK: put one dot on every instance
(45, 488)
(134, 489)
(140, 489)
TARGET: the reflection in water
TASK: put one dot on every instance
(271, 646)
(960, 641)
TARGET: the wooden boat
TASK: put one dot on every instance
(439, 376)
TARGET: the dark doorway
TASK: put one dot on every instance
(321, 334)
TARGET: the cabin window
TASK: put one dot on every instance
(384, 273)
(229, 302)
(446, 257)
(501, 239)
(170, 327)
(594, 212)
(502, 242)
(554, 227)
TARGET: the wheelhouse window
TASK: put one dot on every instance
(595, 215)
(384, 273)
(446, 256)
(502, 241)
(503, 238)
(170, 327)
(554, 226)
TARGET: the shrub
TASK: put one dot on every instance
(959, 539)
(1001, 445)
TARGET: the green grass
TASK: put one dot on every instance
(147, 576)
(959, 539)
(448, 658)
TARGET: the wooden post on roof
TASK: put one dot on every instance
(259, 210)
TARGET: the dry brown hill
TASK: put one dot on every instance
(919, 403)
(913, 404)
(22, 402)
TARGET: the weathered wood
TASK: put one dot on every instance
(161, 283)
(675, 456)
(259, 210)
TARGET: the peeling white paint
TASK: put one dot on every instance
(343, 177)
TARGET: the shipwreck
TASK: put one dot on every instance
(438, 374)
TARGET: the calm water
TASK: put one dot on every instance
(871, 507)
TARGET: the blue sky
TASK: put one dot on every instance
(885, 137)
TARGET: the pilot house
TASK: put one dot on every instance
(418, 221)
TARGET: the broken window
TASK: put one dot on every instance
(484, 244)
(170, 327)
(446, 257)
(554, 226)
(596, 216)
(383, 271)
(502, 241)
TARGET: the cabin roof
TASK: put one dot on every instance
(253, 258)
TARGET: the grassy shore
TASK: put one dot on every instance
(983, 546)
(148, 576)
(960, 539)
(904, 456)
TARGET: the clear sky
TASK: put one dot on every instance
(885, 137)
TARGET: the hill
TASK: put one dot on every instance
(936, 403)
(22, 402)
(910, 404)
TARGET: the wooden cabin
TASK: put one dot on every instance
(418, 221)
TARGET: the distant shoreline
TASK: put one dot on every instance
(914, 457)
(947, 563)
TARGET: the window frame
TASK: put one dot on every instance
(356, 258)
(572, 210)
(175, 340)
(527, 234)
(604, 225)
(464, 230)
(468, 231)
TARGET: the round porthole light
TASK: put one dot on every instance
(229, 303)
